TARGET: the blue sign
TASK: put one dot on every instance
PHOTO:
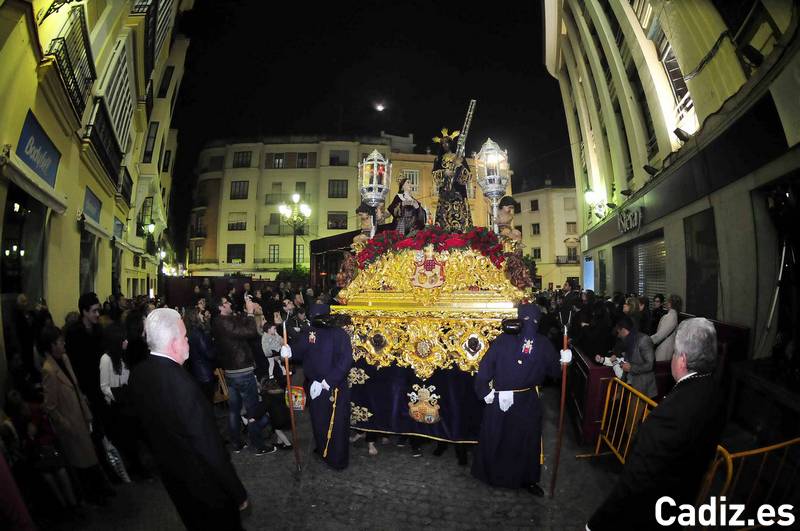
(37, 150)
(119, 228)
(92, 205)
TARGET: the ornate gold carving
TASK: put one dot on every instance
(359, 414)
(423, 406)
(357, 376)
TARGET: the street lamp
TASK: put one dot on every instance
(296, 216)
(493, 174)
(375, 176)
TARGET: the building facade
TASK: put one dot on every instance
(236, 226)
(683, 122)
(81, 85)
(548, 220)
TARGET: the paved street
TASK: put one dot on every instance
(389, 491)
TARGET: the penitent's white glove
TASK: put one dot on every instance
(566, 356)
(315, 389)
(618, 372)
(506, 400)
(489, 398)
(325, 385)
(286, 351)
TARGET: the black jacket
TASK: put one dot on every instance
(85, 347)
(180, 425)
(672, 451)
(232, 334)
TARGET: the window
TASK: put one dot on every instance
(517, 208)
(413, 178)
(150, 143)
(337, 220)
(535, 229)
(119, 95)
(119, 228)
(167, 160)
(302, 160)
(23, 238)
(145, 216)
(273, 228)
(239, 189)
(216, 163)
(339, 157)
(572, 227)
(569, 203)
(300, 187)
(702, 259)
(166, 79)
(274, 253)
(237, 221)
(235, 253)
(572, 254)
(337, 188)
(300, 253)
(537, 253)
(534, 205)
(279, 160)
(241, 159)
(198, 254)
(88, 262)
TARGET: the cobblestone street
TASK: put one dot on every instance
(389, 491)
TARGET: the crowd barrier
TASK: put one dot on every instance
(624, 410)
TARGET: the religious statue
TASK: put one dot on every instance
(428, 269)
(451, 175)
(505, 220)
(408, 213)
(369, 219)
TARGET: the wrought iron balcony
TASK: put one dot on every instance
(126, 185)
(197, 232)
(100, 133)
(278, 230)
(150, 245)
(201, 261)
(73, 56)
(276, 199)
(563, 260)
(149, 10)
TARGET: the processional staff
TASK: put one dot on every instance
(295, 440)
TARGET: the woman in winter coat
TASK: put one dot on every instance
(664, 338)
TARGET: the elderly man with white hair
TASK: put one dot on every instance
(195, 467)
(675, 445)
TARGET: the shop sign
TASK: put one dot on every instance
(92, 206)
(37, 150)
(629, 219)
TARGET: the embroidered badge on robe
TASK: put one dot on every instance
(312, 337)
(527, 347)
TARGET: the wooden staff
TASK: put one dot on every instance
(295, 440)
(560, 415)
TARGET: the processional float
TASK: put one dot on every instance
(423, 309)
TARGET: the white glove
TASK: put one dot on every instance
(506, 399)
(566, 356)
(315, 389)
(618, 372)
(286, 351)
(489, 398)
(325, 385)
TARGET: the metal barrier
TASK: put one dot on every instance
(625, 409)
(754, 477)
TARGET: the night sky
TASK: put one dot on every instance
(262, 68)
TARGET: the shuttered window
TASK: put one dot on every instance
(165, 17)
(647, 266)
(119, 93)
(237, 221)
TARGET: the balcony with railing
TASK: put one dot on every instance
(566, 260)
(203, 261)
(276, 199)
(148, 99)
(126, 185)
(73, 56)
(149, 10)
(283, 229)
(100, 133)
(197, 232)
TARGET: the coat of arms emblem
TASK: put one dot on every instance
(423, 406)
(428, 268)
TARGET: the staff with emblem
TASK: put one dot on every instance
(509, 447)
(327, 355)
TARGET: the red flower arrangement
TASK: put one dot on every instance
(479, 239)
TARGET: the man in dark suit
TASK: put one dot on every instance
(195, 467)
(676, 443)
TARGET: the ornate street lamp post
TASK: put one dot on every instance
(493, 174)
(296, 216)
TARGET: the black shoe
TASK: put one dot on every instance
(535, 489)
(440, 449)
(239, 447)
(283, 446)
(416, 452)
(266, 450)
